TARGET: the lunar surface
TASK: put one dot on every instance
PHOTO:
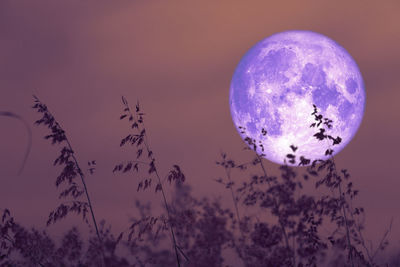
(276, 84)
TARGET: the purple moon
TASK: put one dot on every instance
(276, 84)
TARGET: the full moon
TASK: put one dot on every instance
(275, 85)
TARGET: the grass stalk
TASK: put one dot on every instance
(58, 130)
(88, 199)
(167, 208)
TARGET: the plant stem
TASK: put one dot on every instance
(160, 183)
(236, 210)
(277, 208)
(88, 199)
(347, 226)
(233, 197)
(165, 202)
(343, 200)
(79, 172)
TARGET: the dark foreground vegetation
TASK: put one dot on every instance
(288, 230)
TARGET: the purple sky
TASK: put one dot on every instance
(177, 58)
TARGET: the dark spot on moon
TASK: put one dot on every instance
(297, 89)
(345, 109)
(313, 75)
(281, 99)
(351, 85)
(271, 68)
(324, 96)
(251, 127)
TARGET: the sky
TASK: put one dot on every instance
(177, 58)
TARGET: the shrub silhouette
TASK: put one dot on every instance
(287, 230)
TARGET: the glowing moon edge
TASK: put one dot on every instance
(276, 84)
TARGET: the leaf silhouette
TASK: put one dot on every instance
(294, 148)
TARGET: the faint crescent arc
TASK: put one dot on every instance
(28, 148)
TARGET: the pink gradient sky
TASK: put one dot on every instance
(177, 58)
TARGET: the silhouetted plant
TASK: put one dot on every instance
(298, 219)
(7, 243)
(21, 247)
(140, 140)
(341, 204)
(287, 230)
(202, 227)
(297, 240)
(229, 165)
(69, 173)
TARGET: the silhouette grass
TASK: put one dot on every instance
(287, 230)
(140, 139)
(69, 173)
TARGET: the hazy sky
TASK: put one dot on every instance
(177, 58)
